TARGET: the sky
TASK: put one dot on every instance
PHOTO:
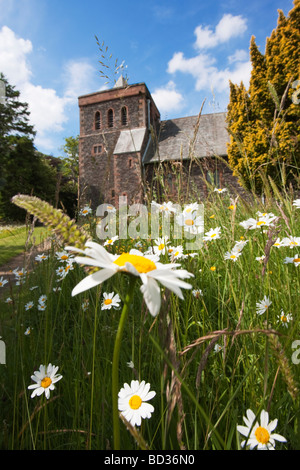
(185, 51)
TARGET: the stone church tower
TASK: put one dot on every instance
(114, 135)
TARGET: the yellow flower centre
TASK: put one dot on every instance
(213, 268)
(161, 246)
(213, 235)
(107, 301)
(296, 260)
(188, 210)
(141, 264)
(283, 318)
(46, 382)
(189, 222)
(177, 253)
(135, 402)
(64, 257)
(109, 241)
(232, 256)
(261, 222)
(262, 435)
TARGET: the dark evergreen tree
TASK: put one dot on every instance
(22, 169)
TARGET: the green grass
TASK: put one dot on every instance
(201, 395)
(13, 241)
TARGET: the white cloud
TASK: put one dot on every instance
(13, 56)
(48, 110)
(239, 55)
(167, 98)
(78, 75)
(204, 66)
(228, 27)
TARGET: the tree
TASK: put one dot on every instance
(69, 168)
(22, 168)
(263, 121)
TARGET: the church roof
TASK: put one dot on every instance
(130, 140)
(181, 138)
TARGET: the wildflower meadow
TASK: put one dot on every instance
(141, 344)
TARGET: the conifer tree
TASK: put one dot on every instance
(265, 134)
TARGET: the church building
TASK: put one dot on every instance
(125, 149)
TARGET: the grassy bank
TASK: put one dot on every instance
(13, 240)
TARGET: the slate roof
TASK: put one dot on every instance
(130, 141)
(176, 138)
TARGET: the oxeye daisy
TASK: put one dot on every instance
(62, 255)
(85, 211)
(110, 300)
(42, 307)
(232, 255)
(42, 298)
(45, 379)
(29, 305)
(191, 222)
(146, 267)
(239, 245)
(296, 203)
(220, 190)
(292, 242)
(175, 252)
(212, 234)
(262, 220)
(160, 247)
(41, 257)
(3, 281)
(197, 293)
(164, 207)
(278, 243)
(132, 402)
(110, 241)
(263, 305)
(191, 208)
(284, 318)
(295, 260)
(261, 434)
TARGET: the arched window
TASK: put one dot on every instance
(110, 118)
(97, 120)
(124, 117)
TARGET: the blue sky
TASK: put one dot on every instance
(185, 52)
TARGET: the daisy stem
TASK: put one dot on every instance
(115, 363)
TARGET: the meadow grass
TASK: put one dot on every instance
(13, 240)
(209, 358)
